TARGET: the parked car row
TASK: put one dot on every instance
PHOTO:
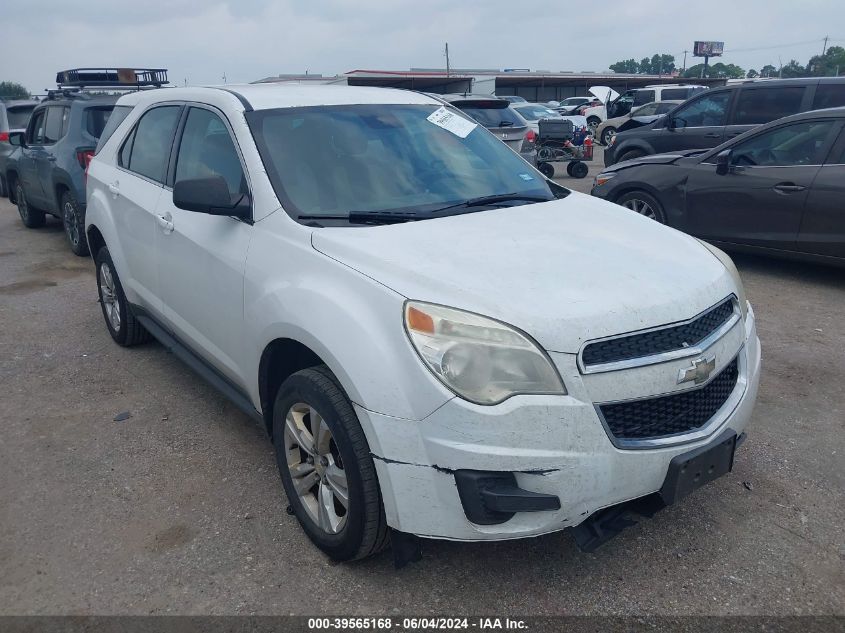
(14, 117)
(776, 187)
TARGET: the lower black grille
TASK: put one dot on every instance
(670, 415)
(659, 341)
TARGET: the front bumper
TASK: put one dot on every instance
(553, 445)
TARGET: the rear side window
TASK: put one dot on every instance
(118, 114)
(829, 96)
(96, 119)
(207, 150)
(149, 145)
(56, 120)
(641, 97)
(676, 93)
(761, 105)
(663, 108)
(19, 116)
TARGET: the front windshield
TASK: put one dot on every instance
(535, 113)
(330, 161)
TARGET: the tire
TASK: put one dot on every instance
(547, 169)
(73, 219)
(593, 122)
(607, 135)
(4, 192)
(342, 457)
(631, 154)
(120, 320)
(31, 217)
(578, 169)
(643, 203)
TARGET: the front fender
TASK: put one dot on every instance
(352, 322)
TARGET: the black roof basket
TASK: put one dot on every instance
(115, 78)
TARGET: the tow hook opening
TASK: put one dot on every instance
(489, 498)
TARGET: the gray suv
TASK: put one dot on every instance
(14, 116)
(713, 117)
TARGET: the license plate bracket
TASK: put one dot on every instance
(689, 471)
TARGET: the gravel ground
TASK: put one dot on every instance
(179, 509)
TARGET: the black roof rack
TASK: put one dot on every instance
(115, 78)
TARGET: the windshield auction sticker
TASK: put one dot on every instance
(457, 125)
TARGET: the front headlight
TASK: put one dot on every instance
(728, 263)
(481, 360)
(603, 178)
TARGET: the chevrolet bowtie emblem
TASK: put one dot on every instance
(699, 372)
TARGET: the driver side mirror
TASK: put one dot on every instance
(675, 123)
(723, 162)
(17, 139)
(211, 196)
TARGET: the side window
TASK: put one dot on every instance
(35, 135)
(709, 110)
(761, 105)
(65, 119)
(663, 108)
(53, 126)
(788, 146)
(207, 150)
(117, 116)
(829, 96)
(96, 120)
(646, 110)
(150, 143)
(641, 97)
(679, 94)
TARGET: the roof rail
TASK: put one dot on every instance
(115, 78)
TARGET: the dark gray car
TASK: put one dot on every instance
(715, 116)
(14, 116)
(778, 188)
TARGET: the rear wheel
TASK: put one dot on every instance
(326, 467)
(31, 217)
(577, 169)
(73, 219)
(644, 204)
(593, 122)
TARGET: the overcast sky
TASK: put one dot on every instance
(202, 40)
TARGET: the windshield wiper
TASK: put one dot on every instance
(367, 217)
(491, 200)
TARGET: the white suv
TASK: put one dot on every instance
(438, 340)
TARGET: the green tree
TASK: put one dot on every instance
(768, 71)
(11, 90)
(629, 66)
(662, 64)
(645, 66)
(831, 63)
(752, 74)
(719, 69)
(793, 69)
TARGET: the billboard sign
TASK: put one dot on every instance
(708, 49)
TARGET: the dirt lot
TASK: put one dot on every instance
(179, 509)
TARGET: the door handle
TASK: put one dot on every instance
(114, 188)
(712, 135)
(788, 187)
(51, 158)
(165, 222)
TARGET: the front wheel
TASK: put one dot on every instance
(326, 467)
(607, 135)
(631, 154)
(577, 169)
(644, 204)
(30, 216)
(593, 122)
(73, 219)
(547, 169)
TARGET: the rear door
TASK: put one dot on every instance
(697, 124)
(823, 227)
(758, 104)
(760, 202)
(135, 189)
(201, 257)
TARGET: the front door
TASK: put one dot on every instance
(760, 201)
(201, 257)
(29, 159)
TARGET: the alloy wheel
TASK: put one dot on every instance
(23, 206)
(71, 222)
(108, 295)
(642, 207)
(316, 468)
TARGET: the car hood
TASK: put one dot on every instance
(564, 271)
(653, 159)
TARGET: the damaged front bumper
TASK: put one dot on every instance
(528, 466)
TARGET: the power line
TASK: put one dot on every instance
(775, 47)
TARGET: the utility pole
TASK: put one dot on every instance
(447, 59)
(824, 48)
(224, 77)
(685, 63)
